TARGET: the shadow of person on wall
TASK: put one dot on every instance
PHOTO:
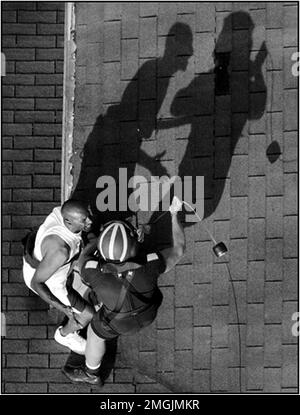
(117, 136)
(116, 142)
(223, 93)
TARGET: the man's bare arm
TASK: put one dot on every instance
(88, 250)
(172, 255)
(55, 254)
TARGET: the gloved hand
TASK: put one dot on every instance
(142, 231)
(175, 206)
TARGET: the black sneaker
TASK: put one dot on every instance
(79, 375)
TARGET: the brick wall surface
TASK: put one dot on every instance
(250, 196)
(32, 43)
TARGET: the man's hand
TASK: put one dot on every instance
(172, 255)
(68, 311)
(175, 206)
(70, 314)
(142, 231)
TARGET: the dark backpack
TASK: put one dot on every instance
(28, 243)
(134, 320)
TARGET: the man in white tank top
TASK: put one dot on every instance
(57, 243)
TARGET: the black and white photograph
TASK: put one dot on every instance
(149, 201)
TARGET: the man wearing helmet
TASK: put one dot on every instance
(47, 263)
(124, 280)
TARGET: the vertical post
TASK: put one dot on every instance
(68, 101)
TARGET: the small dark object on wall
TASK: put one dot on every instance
(220, 249)
(222, 86)
(273, 151)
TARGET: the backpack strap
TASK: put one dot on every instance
(125, 286)
(148, 302)
(28, 244)
(121, 299)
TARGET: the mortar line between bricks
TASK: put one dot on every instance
(289, 173)
(183, 350)
(202, 283)
(128, 38)
(274, 70)
(289, 88)
(290, 344)
(112, 61)
(113, 20)
(290, 257)
(149, 16)
(293, 215)
(273, 112)
(290, 131)
(219, 348)
(203, 326)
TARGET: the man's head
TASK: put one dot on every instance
(76, 216)
(118, 242)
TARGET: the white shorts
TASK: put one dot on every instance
(60, 291)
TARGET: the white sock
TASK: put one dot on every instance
(93, 367)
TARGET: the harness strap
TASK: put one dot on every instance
(121, 299)
(148, 302)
